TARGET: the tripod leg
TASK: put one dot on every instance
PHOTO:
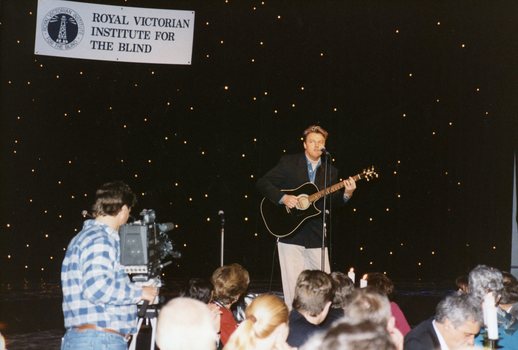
(153, 333)
(133, 344)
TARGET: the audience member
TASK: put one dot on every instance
(483, 280)
(367, 304)
(508, 277)
(383, 285)
(265, 326)
(186, 324)
(462, 284)
(230, 282)
(507, 315)
(508, 312)
(202, 290)
(457, 321)
(313, 297)
(345, 336)
(199, 289)
(343, 286)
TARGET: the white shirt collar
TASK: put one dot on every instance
(444, 346)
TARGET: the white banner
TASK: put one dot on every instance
(113, 33)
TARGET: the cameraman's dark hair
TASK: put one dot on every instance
(314, 289)
(111, 197)
(199, 289)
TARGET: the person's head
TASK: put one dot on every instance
(186, 324)
(199, 289)
(508, 277)
(509, 294)
(365, 335)
(343, 287)
(483, 280)
(314, 139)
(313, 293)
(264, 326)
(112, 199)
(380, 282)
(230, 282)
(462, 284)
(367, 304)
(458, 318)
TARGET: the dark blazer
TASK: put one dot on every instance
(422, 337)
(290, 173)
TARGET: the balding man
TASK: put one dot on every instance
(187, 324)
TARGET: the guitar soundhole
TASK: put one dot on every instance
(303, 202)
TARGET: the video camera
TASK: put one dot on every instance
(144, 247)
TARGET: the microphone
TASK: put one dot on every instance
(221, 214)
(166, 227)
(325, 152)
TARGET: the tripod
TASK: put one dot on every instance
(149, 313)
(151, 318)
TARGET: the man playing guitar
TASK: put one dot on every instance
(301, 249)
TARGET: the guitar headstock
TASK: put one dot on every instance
(369, 173)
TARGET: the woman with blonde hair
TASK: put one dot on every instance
(265, 326)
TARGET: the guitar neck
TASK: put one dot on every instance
(328, 190)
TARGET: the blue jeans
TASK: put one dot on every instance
(92, 339)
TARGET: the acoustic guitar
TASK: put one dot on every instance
(282, 221)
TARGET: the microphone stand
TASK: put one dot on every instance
(324, 224)
(221, 214)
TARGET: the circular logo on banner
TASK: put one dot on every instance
(63, 28)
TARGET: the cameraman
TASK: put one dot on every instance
(99, 301)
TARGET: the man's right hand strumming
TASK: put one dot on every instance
(290, 201)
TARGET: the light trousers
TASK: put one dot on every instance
(293, 260)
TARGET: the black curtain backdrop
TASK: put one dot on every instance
(425, 91)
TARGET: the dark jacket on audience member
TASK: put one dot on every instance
(300, 329)
(422, 337)
(332, 316)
